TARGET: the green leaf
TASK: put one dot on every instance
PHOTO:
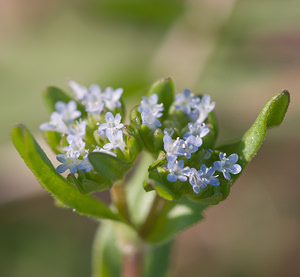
(87, 186)
(53, 95)
(107, 256)
(175, 217)
(271, 115)
(211, 195)
(164, 89)
(147, 136)
(64, 191)
(164, 188)
(110, 168)
(135, 120)
(135, 146)
(158, 180)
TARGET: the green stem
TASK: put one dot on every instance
(118, 195)
(155, 210)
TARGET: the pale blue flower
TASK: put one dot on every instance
(150, 119)
(206, 176)
(76, 145)
(151, 111)
(228, 165)
(93, 100)
(77, 129)
(202, 108)
(85, 164)
(68, 111)
(115, 140)
(202, 178)
(79, 90)
(177, 171)
(197, 130)
(64, 115)
(112, 97)
(152, 104)
(56, 124)
(173, 148)
(113, 123)
(185, 101)
(189, 146)
(69, 161)
(194, 180)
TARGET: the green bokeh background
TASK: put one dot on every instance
(241, 52)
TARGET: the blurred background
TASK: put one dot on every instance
(241, 52)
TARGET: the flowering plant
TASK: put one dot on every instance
(162, 166)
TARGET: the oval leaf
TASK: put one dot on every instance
(164, 89)
(64, 191)
(174, 218)
(271, 115)
(54, 94)
(110, 168)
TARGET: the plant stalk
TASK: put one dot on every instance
(132, 263)
(118, 195)
(155, 210)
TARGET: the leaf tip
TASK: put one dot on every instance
(17, 128)
(285, 91)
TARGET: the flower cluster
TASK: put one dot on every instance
(93, 123)
(151, 111)
(198, 109)
(180, 150)
(64, 120)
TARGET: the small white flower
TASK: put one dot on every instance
(56, 124)
(197, 130)
(112, 97)
(67, 111)
(93, 100)
(228, 165)
(115, 140)
(194, 180)
(189, 146)
(77, 129)
(79, 90)
(63, 116)
(151, 103)
(151, 111)
(149, 118)
(76, 145)
(202, 108)
(202, 178)
(112, 123)
(173, 148)
(185, 101)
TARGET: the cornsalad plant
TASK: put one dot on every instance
(162, 166)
